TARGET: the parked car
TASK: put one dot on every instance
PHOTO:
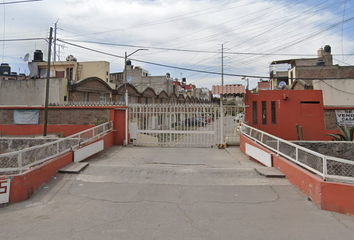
(240, 117)
(191, 122)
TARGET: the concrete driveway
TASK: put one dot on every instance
(170, 193)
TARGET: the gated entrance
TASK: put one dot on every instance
(174, 125)
(187, 125)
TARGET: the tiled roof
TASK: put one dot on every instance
(228, 89)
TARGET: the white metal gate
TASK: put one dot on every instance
(187, 125)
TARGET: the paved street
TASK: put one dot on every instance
(170, 193)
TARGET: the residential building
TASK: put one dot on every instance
(317, 103)
(142, 79)
(286, 72)
(70, 69)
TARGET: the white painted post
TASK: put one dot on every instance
(324, 167)
(19, 161)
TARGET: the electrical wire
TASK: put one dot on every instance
(186, 69)
(26, 1)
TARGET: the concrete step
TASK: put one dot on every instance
(74, 167)
(269, 172)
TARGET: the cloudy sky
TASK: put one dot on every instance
(186, 34)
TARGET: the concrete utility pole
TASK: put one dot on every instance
(47, 84)
(221, 97)
(55, 41)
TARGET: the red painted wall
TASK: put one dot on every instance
(27, 130)
(24, 185)
(336, 197)
(302, 107)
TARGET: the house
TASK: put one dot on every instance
(142, 79)
(316, 103)
(287, 72)
(70, 69)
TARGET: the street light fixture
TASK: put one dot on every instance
(125, 72)
(247, 80)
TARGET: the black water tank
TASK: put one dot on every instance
(129, 63)
(5, 69)
(327, 49)
(38, 56)
(320, 63)
(183, 79)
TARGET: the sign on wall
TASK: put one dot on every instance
(345, 117)
(4, 190)
(26, 117)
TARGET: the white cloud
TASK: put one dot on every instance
(265, 26)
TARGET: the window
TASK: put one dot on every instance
(145, 100)
(122, 99)
(152, 100)
(254, 107)
(132, 100)
(264, 113)
(65, 98)
(274, 120)
(86, 97)
(69, 73)
(102, 98)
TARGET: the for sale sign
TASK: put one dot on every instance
(4, 190)
(345, 117)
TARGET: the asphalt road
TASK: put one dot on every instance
(170, 193)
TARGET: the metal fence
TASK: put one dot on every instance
(174, 125)
(329, 168)
(14, 162)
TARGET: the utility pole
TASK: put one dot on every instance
(55, 41)
(221, 97)
(126, 91)
(47, 84)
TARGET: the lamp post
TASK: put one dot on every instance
(247, 80)
(125, 72)
(126, 91)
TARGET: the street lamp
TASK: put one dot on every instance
(126, 91)
(247, 80)
(125, 72)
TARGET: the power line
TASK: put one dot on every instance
(158, 64)
(21, 39)
(187, 69)
(195, 51)
(20, 2)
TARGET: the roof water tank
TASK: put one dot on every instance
(183, 79)
(129, 62)
(5, 69)
(327, 49)
(38, 56)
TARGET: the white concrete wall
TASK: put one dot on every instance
(336, 92)
(31, 92)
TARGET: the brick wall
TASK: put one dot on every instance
(62, 116)
(325, 72)
(330, 120)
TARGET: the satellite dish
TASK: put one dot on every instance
(129, 79)
(25, 58)
(282, 84)
(148, 85)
